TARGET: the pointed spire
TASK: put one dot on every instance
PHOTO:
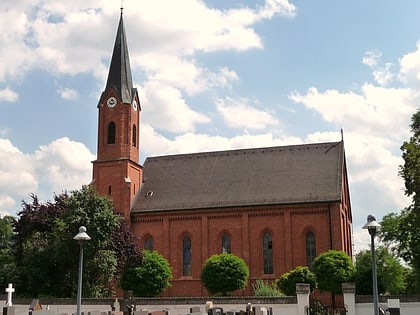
(119, 75)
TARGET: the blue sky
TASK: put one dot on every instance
(211, 75)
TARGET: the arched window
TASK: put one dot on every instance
(310, 248)
(226, 244)
(148, 243)
(134, 137)
(111, 132)
(268, 253)
(186, 256)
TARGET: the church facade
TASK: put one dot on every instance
(276, 207)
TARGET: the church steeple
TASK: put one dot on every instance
(116, 171)
(119, 76)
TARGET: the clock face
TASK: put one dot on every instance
(111, 102)
(134, 105)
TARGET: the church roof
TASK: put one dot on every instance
(119, 75)
(263, 176)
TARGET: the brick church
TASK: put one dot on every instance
(275, 207)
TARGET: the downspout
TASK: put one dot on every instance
(329, 223)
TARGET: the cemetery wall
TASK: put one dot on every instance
(362, 305)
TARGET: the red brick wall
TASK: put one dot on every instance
(288, 226)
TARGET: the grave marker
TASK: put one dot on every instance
(9, 290)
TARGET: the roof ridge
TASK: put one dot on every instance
(242, 150)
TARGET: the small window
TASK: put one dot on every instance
(109, 190)
(268, 253)
(226, 244)
(186, 259)
(111, 133)
(310, 248)
(134, 137)
(148, 243)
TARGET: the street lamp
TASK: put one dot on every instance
(372, 226)
(81, 237)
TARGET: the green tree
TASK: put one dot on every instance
(150, 278)
(390, 273)
(6, 251)
(224, 273)
(332, 268)
(400, 231)
(287, 282)
(47, 256)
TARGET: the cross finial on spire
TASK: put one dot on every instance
(122, 7)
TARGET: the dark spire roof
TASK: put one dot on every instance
(119, 75)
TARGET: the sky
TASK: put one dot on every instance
(211, 75)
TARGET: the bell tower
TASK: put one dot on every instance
(116, 171)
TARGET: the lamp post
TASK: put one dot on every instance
(372, 226)
(81, 237)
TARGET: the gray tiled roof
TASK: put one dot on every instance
(261, 176)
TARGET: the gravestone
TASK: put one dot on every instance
(394, 306)
(8, 308)
(128, 304)
(209, 305)
(35, 306)
(195, 310)
(215, 311)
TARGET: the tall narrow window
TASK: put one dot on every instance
(268, 253)
(186, 256)
(148, 243)
(134, 137)
(226, 244)
(111, 132)
(310, 248)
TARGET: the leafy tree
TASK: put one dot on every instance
(287, 282)
(150, 278)
(333, 268)
(400, 232)
(47, 256)
(390, 273)
(224, 273)
(6, 254)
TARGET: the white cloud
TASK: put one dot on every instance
(410, 67)
(376, 110)
(170, 111)
(8, 95)
(237, 113)
(156, 144)
(371, 58)
(68, 94)
(6, 202)
(168, 69)
(63, 165)
(53, 168)
(383, 75)
(53, 36)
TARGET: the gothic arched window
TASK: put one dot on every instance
(186, 256)
(310, 248)
(148, 243)
(268, 253)
(226, 244)
(111, 132)
(134, 137)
